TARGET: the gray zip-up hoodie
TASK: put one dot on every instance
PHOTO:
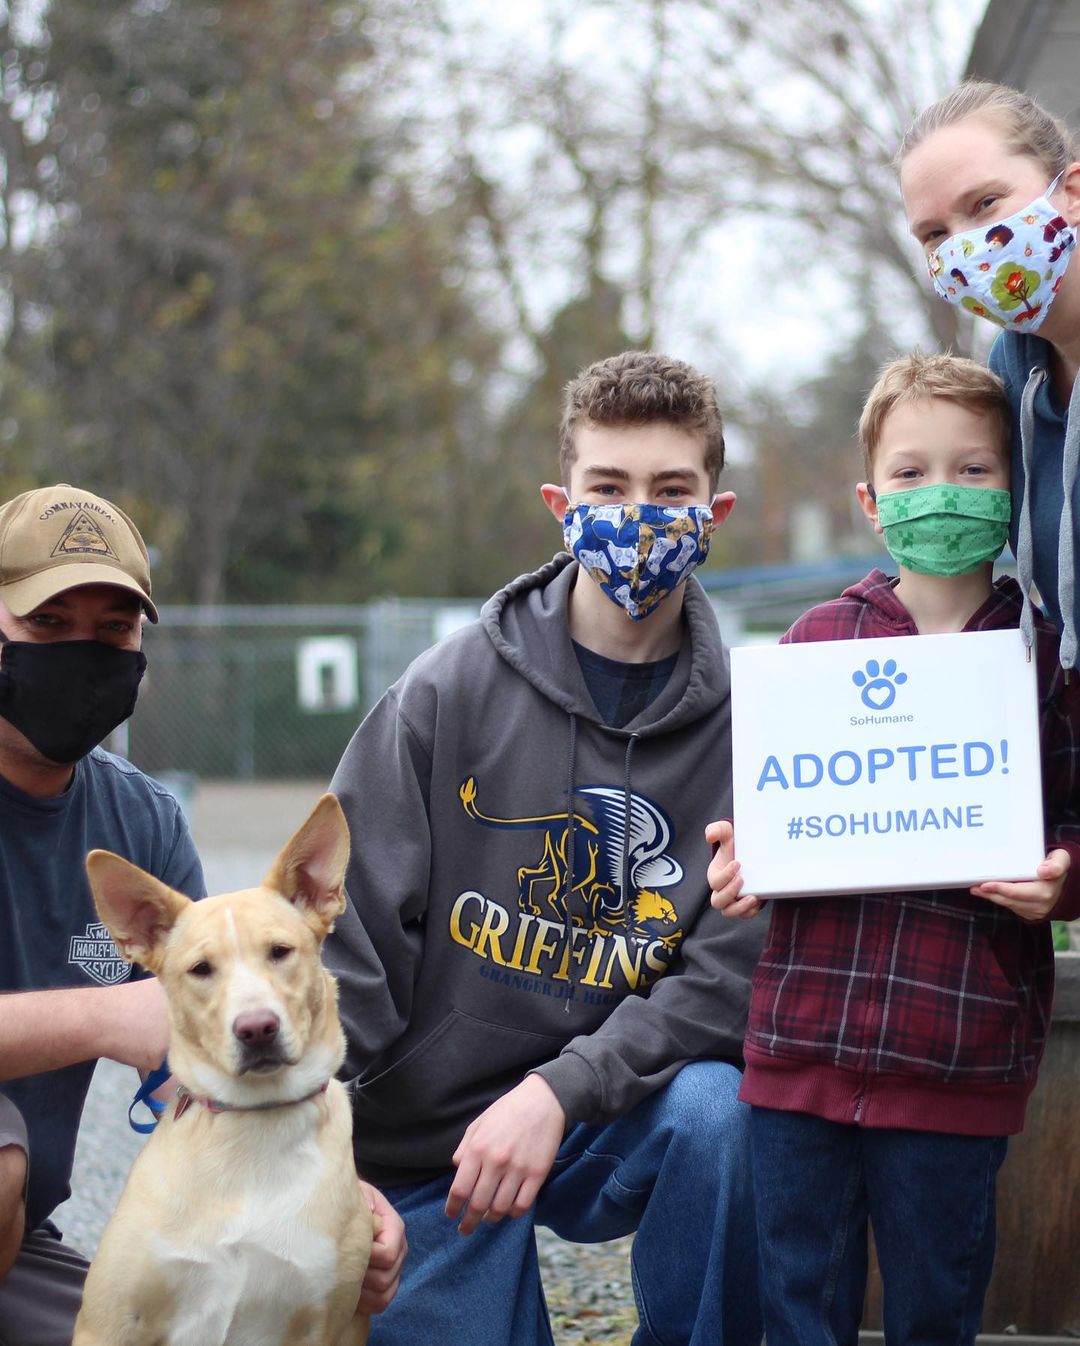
(493, 815)
(1045, 483)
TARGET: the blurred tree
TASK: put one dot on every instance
(300, 281)
(801, 501)
(230, 310)
(696, 159)
(815, 101)
(567, 145)
(693, 151)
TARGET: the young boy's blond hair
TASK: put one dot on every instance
(917, 377)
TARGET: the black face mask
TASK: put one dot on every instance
(68, 695)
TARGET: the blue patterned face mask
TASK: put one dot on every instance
(638, 554)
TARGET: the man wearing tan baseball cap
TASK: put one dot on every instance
(74, 591)
(58, 537)
(74, 583)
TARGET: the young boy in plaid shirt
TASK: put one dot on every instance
(894, 1038)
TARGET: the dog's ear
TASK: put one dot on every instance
(138, 909)
(310, 871)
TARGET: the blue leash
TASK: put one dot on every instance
(153, 1081)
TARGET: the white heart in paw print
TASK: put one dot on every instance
(879, 697)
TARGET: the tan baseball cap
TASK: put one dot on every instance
(59, 537)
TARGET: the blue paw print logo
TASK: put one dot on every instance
(879, 683)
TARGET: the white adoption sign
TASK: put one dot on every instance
(903, 762)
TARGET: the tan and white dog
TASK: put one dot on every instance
(242, 1222)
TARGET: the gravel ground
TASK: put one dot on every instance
(588, 1289)
(238, 829)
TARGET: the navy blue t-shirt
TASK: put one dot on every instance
(622, 691)
(50, 935)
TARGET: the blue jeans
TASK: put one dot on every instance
(930, 1199)
(676, 1169)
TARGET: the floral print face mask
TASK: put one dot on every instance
(638, 554)
(1009, 273)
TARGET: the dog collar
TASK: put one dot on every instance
(184, 1099)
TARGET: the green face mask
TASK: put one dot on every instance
(944, 530)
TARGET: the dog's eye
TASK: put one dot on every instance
(280, 951)
(200, 969)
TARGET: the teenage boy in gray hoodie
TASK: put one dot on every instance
(544, 1013)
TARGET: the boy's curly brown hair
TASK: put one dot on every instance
(640, 388)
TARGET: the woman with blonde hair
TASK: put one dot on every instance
(991, 186)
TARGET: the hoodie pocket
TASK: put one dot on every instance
(418, 1106)
(961, 1007)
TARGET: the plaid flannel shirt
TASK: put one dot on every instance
(921, 1010)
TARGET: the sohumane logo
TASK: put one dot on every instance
(878, 683)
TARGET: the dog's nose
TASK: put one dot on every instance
(257, 1027)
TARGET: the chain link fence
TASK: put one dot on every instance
(264, 693)
(273, 693)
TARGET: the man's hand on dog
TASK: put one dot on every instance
(387, 1254)
(506, 1154)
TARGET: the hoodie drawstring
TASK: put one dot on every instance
(1070, 465)
(1066, 559)
(627, 802)
(568, 886)
(1025, 557)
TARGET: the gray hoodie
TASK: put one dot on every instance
(493, 814)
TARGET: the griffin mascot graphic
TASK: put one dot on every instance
(583, 860)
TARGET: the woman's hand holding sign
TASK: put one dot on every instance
(725, 878)
(1034, 899)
